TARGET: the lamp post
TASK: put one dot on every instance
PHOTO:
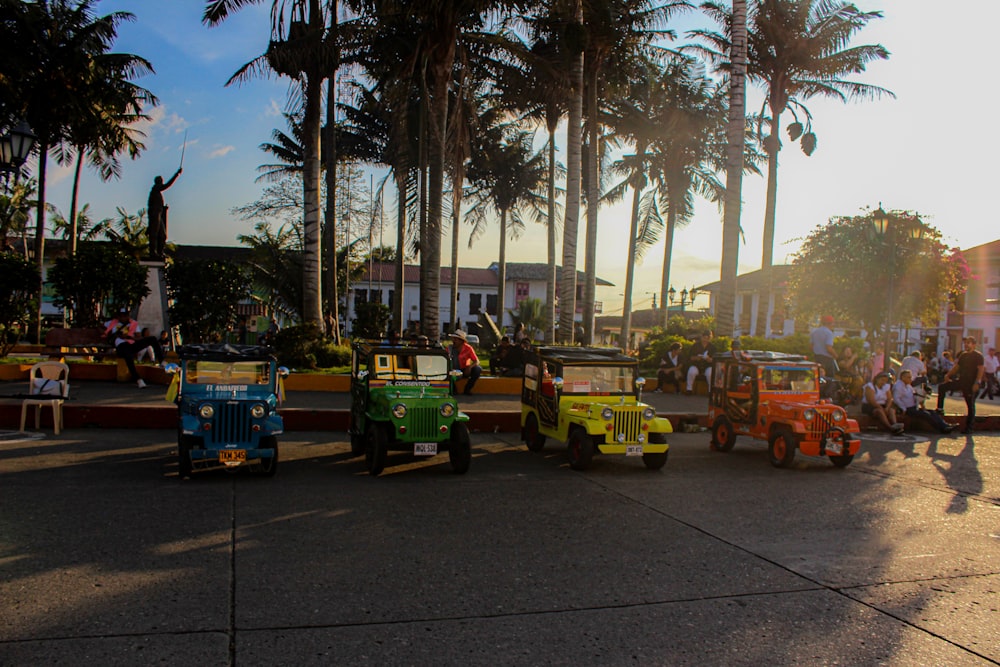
(15, 147)
(687, 297)
(890, 229)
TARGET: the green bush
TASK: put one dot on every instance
(18, 284)
(100, 277)
(328, 354)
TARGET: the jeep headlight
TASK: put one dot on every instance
(206, 411)
(447, 410)
(257, 411)
(608, 414)
(399, 411)
(809, 414)
(648, 414)
(838, 415)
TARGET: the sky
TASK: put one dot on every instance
(892, 152)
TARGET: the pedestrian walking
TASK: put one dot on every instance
(965, 376)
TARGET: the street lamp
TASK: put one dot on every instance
(687, 298)
(15, 147)
(890, 229)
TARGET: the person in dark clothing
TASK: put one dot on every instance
(122, 332)
(513, 363)
(699, 361)
(969, 368)
(671, 370)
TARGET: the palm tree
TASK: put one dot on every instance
(302, 49)
(538, 87)
(687, 161)
(617, 32)
(796, 50)
(510, 178)
(635, 118)
(725, 317)
(574, 171)
(53, 49)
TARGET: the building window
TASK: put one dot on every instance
(491, 304)
(520, 292)
(375, 296)
(475, 303)
(360, 296)
(392, 299)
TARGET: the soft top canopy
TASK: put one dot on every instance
(758, 355)
(586, 355)
(226, 352)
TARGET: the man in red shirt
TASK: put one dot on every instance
(464, 358)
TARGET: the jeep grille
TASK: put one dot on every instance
(232, 423)
(424, 423)
(628, 422)
(820, 425)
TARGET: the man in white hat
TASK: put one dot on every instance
(465, 359)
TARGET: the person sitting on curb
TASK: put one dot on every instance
(122, 332)
(670, 370)
(464, 358)
(700, 362)
(906, 400)
(878, 403)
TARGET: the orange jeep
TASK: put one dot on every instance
(775, 397)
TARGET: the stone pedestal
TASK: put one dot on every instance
(153, 309)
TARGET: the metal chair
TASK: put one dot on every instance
(48, 384)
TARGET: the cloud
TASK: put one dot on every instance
(221, 151)
(273, 109)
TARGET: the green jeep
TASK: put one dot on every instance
(591, 398)
(402, 399)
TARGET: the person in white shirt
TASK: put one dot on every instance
(877, 402)
(918, 369)
(990, 366)
(905, 399)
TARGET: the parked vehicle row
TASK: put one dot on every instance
(403, 398)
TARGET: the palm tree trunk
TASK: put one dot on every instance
(73, 223)
(456, 214)
(430, 235)
(725, 311)
(668, 250)
(773, 145)
(398, 283)
(567, 285)
(550, 282)
(330, 288)
(43, 154)
(312, 307)
(637, 187)
(502, 271)
(593, 204)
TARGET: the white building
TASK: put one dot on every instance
(477, 289)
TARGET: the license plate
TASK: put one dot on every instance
(834, 448)
(633, 450)
(232, 455)
(425, 448)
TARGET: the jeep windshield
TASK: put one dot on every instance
(597, 379)
(410, 367)
(227, 372)
(788, 378)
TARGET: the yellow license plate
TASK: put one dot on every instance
(232, 455)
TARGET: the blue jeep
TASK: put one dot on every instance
(227, 405)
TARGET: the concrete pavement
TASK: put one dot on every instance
(718, 559)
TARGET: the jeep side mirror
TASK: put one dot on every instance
(640, 383)
(283, 371)
(171, 368)
(557, 382)
(455, 374)
(362, 375)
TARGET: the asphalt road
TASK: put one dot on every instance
(719, 559)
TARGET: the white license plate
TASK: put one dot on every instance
(425, 448)
(834, 448)
(633, 450)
